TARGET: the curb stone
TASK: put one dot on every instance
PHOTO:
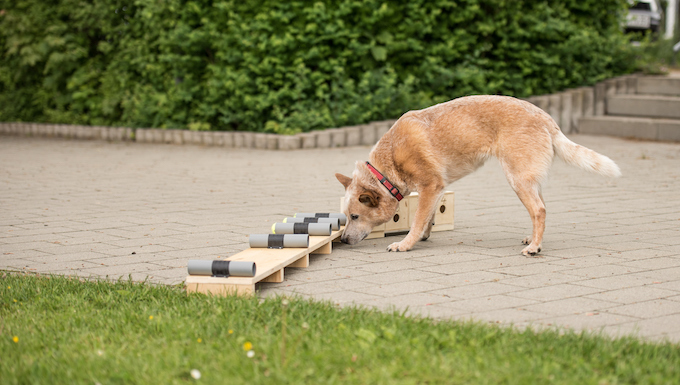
(338, 137)
(368, 136)
(566, 112)
(290, 142)
(323, 139)
(352, 136)
(308, 139)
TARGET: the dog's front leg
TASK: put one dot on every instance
(427, 202)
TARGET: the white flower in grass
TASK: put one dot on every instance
(250, 354)
(195, 374)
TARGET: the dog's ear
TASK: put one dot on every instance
(345, 180)
(369, 199)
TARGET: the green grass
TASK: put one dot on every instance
(128, 333)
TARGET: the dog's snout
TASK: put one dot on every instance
(353, 217)
(346, 239)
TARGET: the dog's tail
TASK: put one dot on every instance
(584, 158)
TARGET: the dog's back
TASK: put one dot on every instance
(464, 132)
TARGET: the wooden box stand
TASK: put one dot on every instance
(402, 220)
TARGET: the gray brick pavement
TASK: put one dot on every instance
(611, 259)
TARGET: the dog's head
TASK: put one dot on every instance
(367, 204)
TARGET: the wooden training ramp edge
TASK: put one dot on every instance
(270, 266)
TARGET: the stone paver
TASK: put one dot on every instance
(611, 259)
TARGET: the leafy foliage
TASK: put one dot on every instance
(654, 56)
(291, 66)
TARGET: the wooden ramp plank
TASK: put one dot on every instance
(270, 265)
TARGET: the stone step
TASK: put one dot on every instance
(652, 106)
(629, 127)
(659, 85)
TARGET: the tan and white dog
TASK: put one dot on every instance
(428, 149)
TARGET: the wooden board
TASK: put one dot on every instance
(270, 265)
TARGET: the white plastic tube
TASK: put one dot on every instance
(335, 222)
(323, 229)
(278, 241)
(221, 268)
(342, 217)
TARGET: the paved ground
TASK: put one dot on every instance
(611, 258)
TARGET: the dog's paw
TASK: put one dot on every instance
(527, 240)
(398, 246)
(531, 251)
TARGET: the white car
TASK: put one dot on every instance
(643, 15)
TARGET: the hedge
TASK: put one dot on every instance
(291, 66)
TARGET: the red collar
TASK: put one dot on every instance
(385, 182)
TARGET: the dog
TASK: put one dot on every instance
(425, 150)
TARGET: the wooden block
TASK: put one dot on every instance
(325, 249)
(218, 286)
(277, 276)
(302, 262)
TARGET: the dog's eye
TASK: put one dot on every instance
(353, 217)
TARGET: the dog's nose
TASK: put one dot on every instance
(343, 239)
(353, 217)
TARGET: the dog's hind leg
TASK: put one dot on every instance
(527, 186)
(531, 198)
(527, 240)
(529, 194)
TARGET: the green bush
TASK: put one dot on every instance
(291, 66)
(654, 56)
